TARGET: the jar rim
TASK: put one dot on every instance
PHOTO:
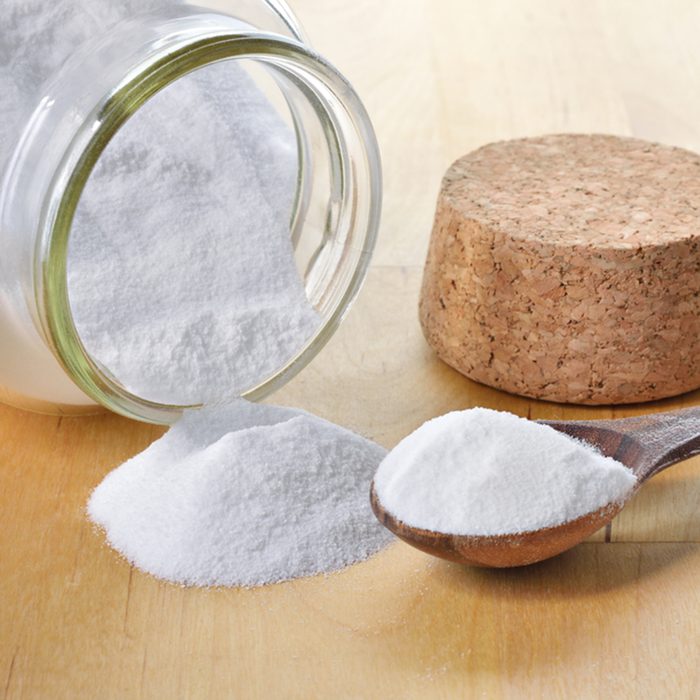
(88, 144)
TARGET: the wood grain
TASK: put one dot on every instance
(617, 619)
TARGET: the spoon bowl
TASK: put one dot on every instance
(498, 551)
(645, 444)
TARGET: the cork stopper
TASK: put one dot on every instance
(567, 268)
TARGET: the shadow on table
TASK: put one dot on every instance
(479, 623)
(590, 568)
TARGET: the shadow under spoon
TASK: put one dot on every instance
(645, 444)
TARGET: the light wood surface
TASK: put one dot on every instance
(615, 619)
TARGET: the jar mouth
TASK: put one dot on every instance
(357, 187)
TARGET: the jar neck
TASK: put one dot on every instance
(94, 95)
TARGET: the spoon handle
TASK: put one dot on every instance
(666, 438)
(647, 443)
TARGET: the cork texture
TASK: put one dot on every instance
(567, 268)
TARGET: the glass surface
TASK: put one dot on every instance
(334, 216)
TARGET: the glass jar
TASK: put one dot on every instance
(43, 363)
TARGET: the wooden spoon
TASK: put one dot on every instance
(645, 444)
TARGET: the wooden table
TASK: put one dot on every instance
(619, 617)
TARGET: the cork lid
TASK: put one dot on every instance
(580, 189)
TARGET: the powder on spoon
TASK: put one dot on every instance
(242, 495)
(484, 472)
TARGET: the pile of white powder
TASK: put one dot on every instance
(484, 472)
(243, 495)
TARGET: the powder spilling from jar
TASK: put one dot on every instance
(183, 285)
(243, 495)
(484, 472)
(199, 310)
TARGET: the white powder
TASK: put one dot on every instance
(183, 283)
(243, 494)
(484, 472)
(37, 36)
(181, 273)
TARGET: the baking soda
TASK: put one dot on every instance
(183, 285)
(484, 472)
(242, 495)
(37, 37)
(181, 274)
